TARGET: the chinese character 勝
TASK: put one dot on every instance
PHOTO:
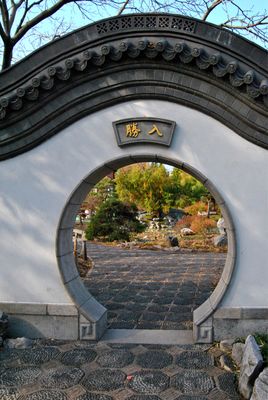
(132, 130)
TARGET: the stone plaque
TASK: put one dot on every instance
(144, 130)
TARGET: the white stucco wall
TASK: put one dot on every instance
(36, 185)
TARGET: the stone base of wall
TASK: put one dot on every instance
(64, 321)
(55, 321)
(239, 322)
(230, 323)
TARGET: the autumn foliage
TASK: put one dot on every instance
(198, 224)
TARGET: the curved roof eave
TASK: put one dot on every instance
(227, 71)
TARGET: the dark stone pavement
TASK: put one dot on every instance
(55, 370)
(140, 288)
(152, 289)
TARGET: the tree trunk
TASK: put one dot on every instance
(7, 56)
(208, 210)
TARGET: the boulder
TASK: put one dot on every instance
(226, 345)
(237, 352)
(221, 226)
(3, 324)
(19, 343)
(186, 231)
(260, 390)
(173, 241)
(251, 365)
(220, 240)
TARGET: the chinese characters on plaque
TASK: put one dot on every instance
(144, 130)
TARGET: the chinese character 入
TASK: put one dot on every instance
(155, 130)
(132, 130)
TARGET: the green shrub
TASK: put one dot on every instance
(114, 220)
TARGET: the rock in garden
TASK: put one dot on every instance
(220, 240)
(260, 391)
(173, 241)
(221, 226)
(237, 352)
(19, 343)
(226, 345)
(186, 232)
(251, 366)
(3, 324)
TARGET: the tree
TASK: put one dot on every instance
(190, 189)
(101, 191)
(114, 220)
(145, 185)
(27, 24)
(153, 189)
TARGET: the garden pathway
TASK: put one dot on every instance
(54, 370)
(146, 284)
(151, 289)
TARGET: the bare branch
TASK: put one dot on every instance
(5, 15)
(39, 18)
(211, 8)
(122, 9)
(26, 12)
(15, 7)
(245, 26)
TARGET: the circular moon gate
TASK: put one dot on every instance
(57, 109)
(85, 302)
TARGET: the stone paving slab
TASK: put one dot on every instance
(147, 336)
(147, 289)
(90, 371)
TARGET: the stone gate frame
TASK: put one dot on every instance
(130, 61)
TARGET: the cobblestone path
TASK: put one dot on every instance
(54, 370)
(147, 289)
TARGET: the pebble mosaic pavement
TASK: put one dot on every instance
(152, 289)
(160, 289)
(58, 370)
